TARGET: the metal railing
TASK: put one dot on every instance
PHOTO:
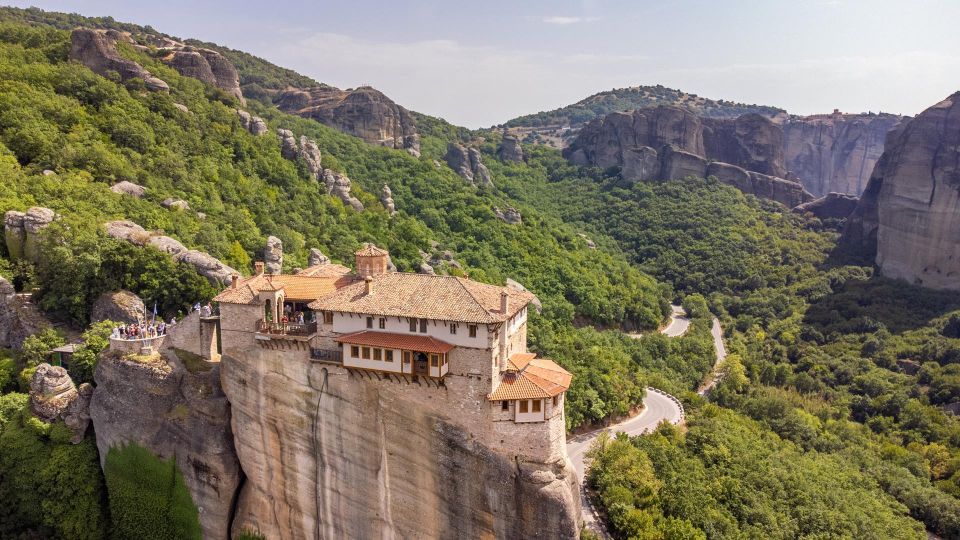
(286, 329)
(326, 355)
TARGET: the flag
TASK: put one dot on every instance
(154, 313)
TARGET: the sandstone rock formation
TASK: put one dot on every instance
(669, 142)
(53, 396)
(173, 413)
(273, 255)
(175, 204)
(288, 144)
(835, 152)
(13, 233)
(363, 112)
(98, 51)
(205, 264)
(830, 206)
(509, 215)
(310, 153)
(336, 184)
(909, 215)
(510, 149)
(386, 198)
(340, 185)
(330, 455)
(317, 257)
(118, 306)
(467, 163)
(21, 231)
(254, 124)
(125, 187)
(205, 65)
(19, 318)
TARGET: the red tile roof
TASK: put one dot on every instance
(392, 340)
(370, 250)
(303, 288)
(325, 270)
(534, 378)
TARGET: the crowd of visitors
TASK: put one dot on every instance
(143, 330)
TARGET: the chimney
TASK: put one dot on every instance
(258, 267)
(233, 281)
(504, 301)
(368, 285)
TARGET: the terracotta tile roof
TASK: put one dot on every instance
(325, 270)
(445, 298)
(410, 342)
(370, 250)
(295, 287)
(538, 378)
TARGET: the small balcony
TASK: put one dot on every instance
(286, 329)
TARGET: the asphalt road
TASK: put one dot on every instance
(679, 323)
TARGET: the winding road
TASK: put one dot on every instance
(658, 407)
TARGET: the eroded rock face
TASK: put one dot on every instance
(118, 306)
(19, 318)
(836, 152)
(21, 231)
(205, 65)
(508, 215)
(53, 396)
(363, 112)
(468, 164)
(273, 255)
(13, 233)
(328, 455)
(125, 187)
(97, 50)
(339, 185)
(175, 204)
(750, 141)
(831, 206)
(510, 149)
(310, 153)
(386, 198)
(317, 257)
(254, 124)
(910, 211)
(173, 413)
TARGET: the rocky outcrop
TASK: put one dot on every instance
(206, 265)
(175, 204)
(909, 215)
(363, 112)
(53, 396)
(669, 142)
(176, 414)
(468, 164)
(330, 455)
(205, 65)
(336, 184)
(509, 215)
(125, 187)
(19, 318)
(310, 153)
(339, 185)
(118, 306)
(317, 257)
(510, 149)
(831, 206)
(835, 152)
(386, 198)
(14, 234)
(21, 231)
(98, 51)
(254, 124)
(273, 255)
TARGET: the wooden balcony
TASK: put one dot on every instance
(284, 335)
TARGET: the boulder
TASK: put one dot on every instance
(125, 187)
(835, 152)
(909, 214)
(510, 215)
(175, 204)
(339, 185)
(510, 149)
(123, 229)
(310, 153)
(166, 244)
(118, 306)
(831, 206)
(273, 255)
(254, 124)
(590, 243)
(14, 234)
(34, 221)
(386, 198)
(51, 392)
(97, 50)
(182, 108)
(207, 266)
(425, 268)
(288, 144)
(363, 112)
(317, 258)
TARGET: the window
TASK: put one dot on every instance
(504, 405)
(365, 353)
(355, 351)
(423, 326)
(327, 317)
(407, 355)
(554, 401)
(536, 405)
(523, 406)
(383, 323)
(388, 356)
(473, 330)
(435, 360)
(413, 325)
(369, 322)
(378, 354)
(453, 328)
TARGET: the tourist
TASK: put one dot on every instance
(300, 317)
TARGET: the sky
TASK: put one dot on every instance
(481, 63)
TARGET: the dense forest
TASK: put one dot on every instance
(829, 419)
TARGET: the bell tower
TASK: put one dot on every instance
(371, 261)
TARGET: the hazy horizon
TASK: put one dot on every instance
(481, 65)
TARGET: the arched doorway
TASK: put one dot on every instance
(268, 311)
(421, 364)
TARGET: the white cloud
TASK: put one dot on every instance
(563, 21)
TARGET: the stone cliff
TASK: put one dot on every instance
(836, 152)
(97, 49)
(363, 112)
(909, 215)
(332, 454)
(669, 142)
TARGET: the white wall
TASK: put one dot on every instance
(355, 361)
(344, 323)
(529, 416)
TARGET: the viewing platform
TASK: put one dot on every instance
(290, 330)
(142, 346)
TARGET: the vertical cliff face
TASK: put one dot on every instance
(910, 212)
(749, 141)
(837, 152)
